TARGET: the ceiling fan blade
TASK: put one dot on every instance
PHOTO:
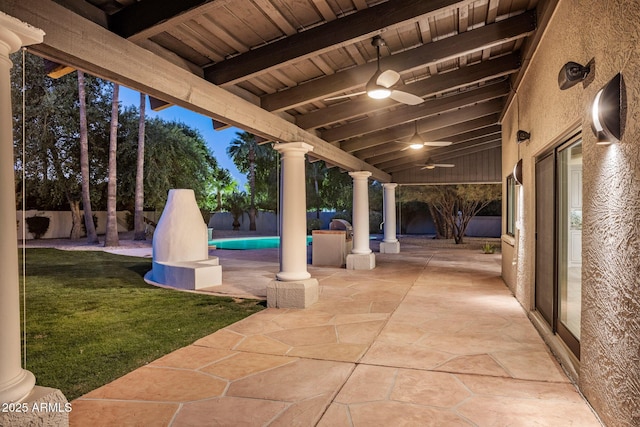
(443, 165)
(438, 143)
(405, 97)
(388, 78)
(349, 95)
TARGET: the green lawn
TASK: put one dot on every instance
(91, 318)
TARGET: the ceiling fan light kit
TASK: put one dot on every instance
(430, 164)
(416, 142)
(380, 85)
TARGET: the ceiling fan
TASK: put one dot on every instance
(381, 84)
(416, 141)
(431, 165)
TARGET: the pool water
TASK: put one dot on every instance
(243, 243)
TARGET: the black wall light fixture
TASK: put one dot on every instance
(522, 136)
(571, 74)
(606, 112)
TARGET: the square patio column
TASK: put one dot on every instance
(293, 287)
(361, 256)
(389, 244)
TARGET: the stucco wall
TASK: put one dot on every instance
(60, 223)
(609, 33)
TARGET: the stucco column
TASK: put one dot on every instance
(15, 382)
(361, 257)
(293, 287)
(390, 244)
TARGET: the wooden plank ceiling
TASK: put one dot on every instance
(288, 56)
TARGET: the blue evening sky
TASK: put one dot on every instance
(216, 140)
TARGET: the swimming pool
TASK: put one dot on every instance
(243, 243)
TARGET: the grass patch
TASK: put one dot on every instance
(91, 318)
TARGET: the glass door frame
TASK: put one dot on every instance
(563, 331)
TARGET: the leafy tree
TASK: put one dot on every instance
(375, 207)
(453, 206)
(267, 179)
(337, 191)
(175, 155)
(316, 173)
(52, 167)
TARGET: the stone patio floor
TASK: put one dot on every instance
(430, 337)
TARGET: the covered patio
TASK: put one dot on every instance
(430, 337)
(421, 323)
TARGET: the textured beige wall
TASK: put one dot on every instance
(608, 32)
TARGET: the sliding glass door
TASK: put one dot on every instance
(558, 288)
(569, 189)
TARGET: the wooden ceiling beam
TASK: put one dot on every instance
(454, 134)
(486, 144)
(106, 55)
(314, 41)
(459, 142)
(433, 85)
(468, 147)
(87, 11)
(410, 113)
(441, 134)
(145, 14)
(451, 47)
(487, 112)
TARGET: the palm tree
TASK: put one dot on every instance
(223, 182)
(244, 151)
(92, 236)
(236, 205)
(138, 217)
(111, 238)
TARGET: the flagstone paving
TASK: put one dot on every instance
(430, 337)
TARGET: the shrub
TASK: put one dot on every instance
(313, 224)
(38, 225)
(375, 219)
(343, 215)
(488, 248)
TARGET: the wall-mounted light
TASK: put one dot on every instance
(517, 172)
(571, 74)
(606, 111)
(522, 136)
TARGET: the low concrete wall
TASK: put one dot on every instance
(267, 223)
(60, 223)
(484, 226)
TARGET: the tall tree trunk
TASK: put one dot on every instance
(92, 236)
(111, 238)
(138, 218)
(76, 219)
(442, 231)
